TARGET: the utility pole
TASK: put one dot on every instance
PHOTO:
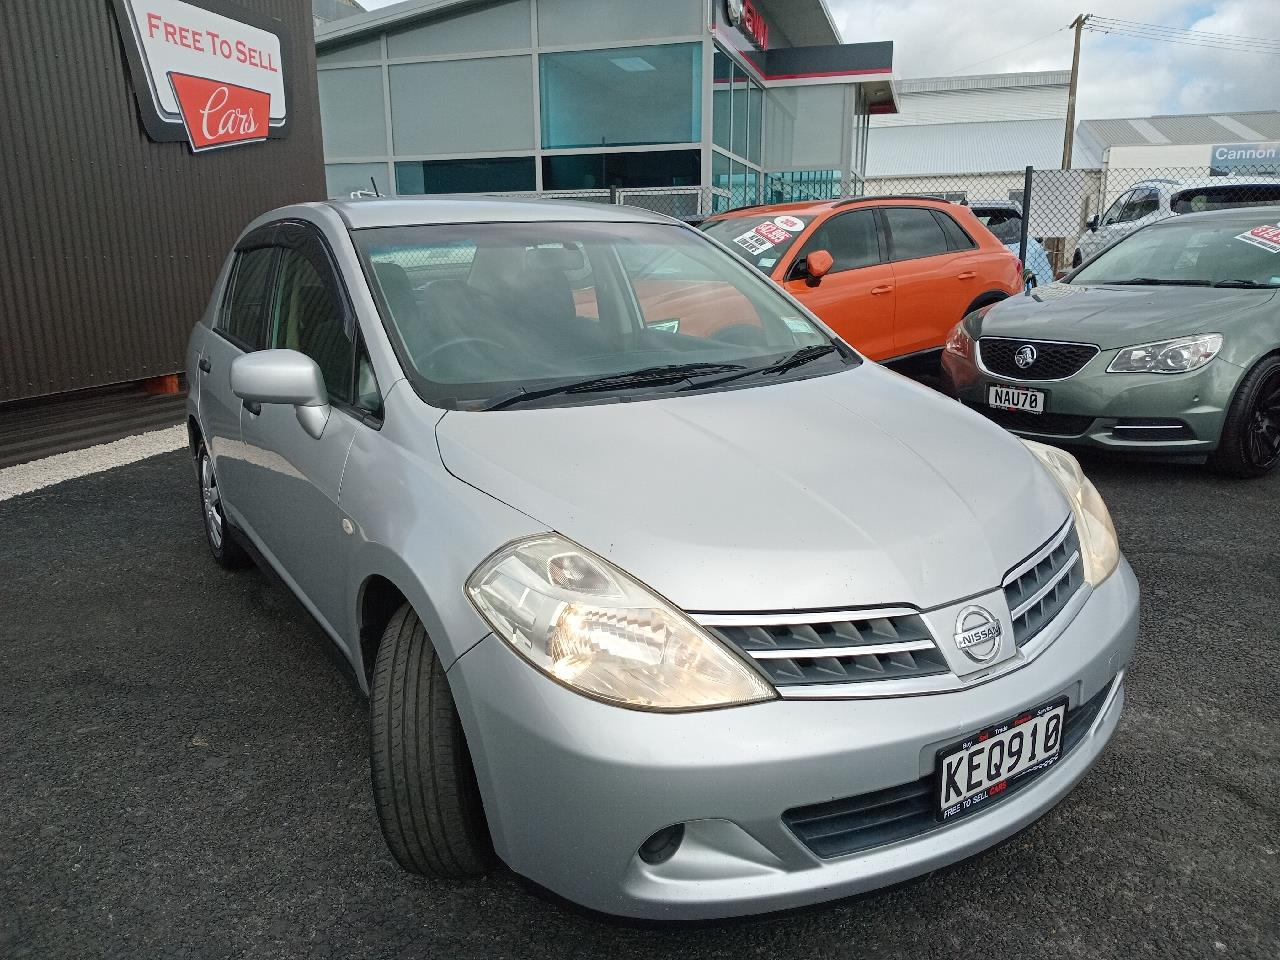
(1077, 24)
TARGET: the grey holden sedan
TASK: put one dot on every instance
(661, 594)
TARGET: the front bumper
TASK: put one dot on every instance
(572, 787)
(1105, 410)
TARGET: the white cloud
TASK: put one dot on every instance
(1119, 76)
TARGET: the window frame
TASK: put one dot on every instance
(888, 234)
(350, 319)
(943, 219)
(1140, 195)
(1117, 206)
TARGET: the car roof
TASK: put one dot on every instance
(412, 211)
(815, 208)
(1268, 214)
(1009, 205)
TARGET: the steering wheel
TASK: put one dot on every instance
(428, 357)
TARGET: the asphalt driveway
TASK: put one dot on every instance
(183, 771)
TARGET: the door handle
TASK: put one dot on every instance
(204, 365)
(886, 288)
(967, 275)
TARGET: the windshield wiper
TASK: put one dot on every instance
(663, 375)
(1156, 282)
(1246, 284)
(789, 362)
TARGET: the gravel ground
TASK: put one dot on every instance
(183, 771)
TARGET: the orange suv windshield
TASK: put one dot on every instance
(764, 240)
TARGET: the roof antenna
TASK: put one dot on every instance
(374, 183)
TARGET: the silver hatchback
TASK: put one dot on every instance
(659, 592)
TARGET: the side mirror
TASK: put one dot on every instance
(1092, 223)
(817, 265)
(283, 376)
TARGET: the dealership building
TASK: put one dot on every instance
(697, 105)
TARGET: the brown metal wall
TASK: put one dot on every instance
(109, 243)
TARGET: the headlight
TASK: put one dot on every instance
(1167, 356)
(581, 620)
(1098, 544)
(959, 343)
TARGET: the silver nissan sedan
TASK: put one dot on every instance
(661, 594)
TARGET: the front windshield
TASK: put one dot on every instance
(493, 314)
(761, 239)
(1234, 252)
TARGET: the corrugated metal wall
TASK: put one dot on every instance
(109, 243)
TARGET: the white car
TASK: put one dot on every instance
(1153, 200)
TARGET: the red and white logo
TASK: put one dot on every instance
(207, 71)
(220, 114)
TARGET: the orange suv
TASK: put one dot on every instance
(890, 275)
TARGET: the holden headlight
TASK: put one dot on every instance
(584, 622)
(1098, 544)
(1167, 356)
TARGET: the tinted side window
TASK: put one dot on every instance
(309, 314)
(913, 233)
(1141, 203)
(851, 238)
(1113, 212)
(957, 239)
(244, 302)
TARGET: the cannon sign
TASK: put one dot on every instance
(210, 73)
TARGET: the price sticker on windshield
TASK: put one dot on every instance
(1265, 237)
(772, 232)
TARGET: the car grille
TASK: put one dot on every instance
(1039, 591)
(853, 824)
(889, 645)
(1044, 424)
(1054, 361)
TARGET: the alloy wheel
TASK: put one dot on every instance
(212, 501)
(1262, 439)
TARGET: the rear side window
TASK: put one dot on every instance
(957, 239)
(1222, 198)
(244, 303)
(913, 233)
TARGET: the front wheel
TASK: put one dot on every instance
(217, 532)
(424, 785)
(1250, 444)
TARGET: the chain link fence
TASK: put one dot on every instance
(1070, 215)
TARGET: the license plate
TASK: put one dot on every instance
(980, 768)
(1016, 398)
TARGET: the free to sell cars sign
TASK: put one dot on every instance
(207, 72)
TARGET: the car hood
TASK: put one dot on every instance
(857, 488)
(1112, 316)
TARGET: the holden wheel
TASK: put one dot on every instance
(1250, 444)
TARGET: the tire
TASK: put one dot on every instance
(1250, 443)
(217, 532)
(424, 785)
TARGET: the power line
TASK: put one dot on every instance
(1179, 35)
(997, 56)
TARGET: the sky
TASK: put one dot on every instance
(1119, 76)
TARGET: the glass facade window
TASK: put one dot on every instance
(499, 27)
(621, 97)
(722, 100)
(344, 179)
(462, 106)
(484, 175)
(792, 185)
(597, 171)
(352, 112)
